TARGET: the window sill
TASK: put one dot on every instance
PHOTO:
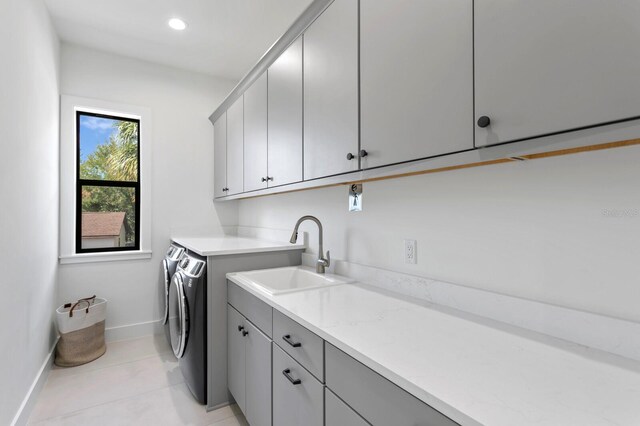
(105, 257)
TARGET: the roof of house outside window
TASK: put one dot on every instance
(102, 224)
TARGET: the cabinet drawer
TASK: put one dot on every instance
(254, 309)
(337, 413)
(304, 346)
(297, 396)
(375, 398)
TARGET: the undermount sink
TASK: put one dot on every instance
(285, 280)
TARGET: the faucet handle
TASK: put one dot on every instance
(326, 261)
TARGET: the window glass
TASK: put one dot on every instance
(108, 148)
(108, 187)
(108, 217)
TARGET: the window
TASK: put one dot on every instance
(105, 192)
(108, 183)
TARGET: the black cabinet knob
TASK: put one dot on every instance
(240, 328)
(363, 153)
(264, 179)
(484, 121)
(245, 332)
(350, 156)
(270, 178)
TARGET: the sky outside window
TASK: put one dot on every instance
(95, 131)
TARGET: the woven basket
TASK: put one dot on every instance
(81, 327)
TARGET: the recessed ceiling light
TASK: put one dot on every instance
(177, 24)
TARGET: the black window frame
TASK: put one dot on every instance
(106, 183)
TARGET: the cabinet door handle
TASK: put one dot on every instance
(240, 328)
(484, 121)
(350, 156)
(269, 177)
(287, 338)
(245, 332)
(287, 374)
(363, 153)
(264, 179)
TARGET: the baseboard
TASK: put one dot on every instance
(132, 331)
(22, 416)
(216, 407)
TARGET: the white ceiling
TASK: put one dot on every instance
(224, 37)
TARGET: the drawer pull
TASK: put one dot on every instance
(287, 374)
(287, 338)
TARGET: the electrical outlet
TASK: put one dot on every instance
(410, 253)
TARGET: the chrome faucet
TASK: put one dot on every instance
(322, 262)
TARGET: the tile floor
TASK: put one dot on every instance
(137, 382)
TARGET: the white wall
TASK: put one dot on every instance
(545, 230)
(181, 175)
(29, 196)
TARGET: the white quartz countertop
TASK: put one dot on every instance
(475, 371)
(224, 245)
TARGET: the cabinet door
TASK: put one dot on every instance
(258, 378)
(255, 135)
(337, 413)
(548, 66)
(220, 156)
(285, 117)
(298, 403)
(235, 147)
(236, 356)
(416, 65)
(331, 91)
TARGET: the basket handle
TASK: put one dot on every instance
(87, 300)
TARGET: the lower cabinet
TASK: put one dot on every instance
(337, 413)
(297, 396)
(300, 379)
(376, 399)
(249, 368)
(236, 357)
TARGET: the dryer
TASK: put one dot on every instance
(188, 322)
(169, 265)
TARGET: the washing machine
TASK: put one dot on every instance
(188, 322)
(169, 265)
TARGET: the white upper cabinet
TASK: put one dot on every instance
(285, 117)
(235, 147)
(416, 65)
(548, 66)
(220, 156)
(255, 135)
(331, 91)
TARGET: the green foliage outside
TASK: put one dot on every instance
(117, 160)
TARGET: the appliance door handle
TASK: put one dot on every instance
(287, 338)
(287, 374)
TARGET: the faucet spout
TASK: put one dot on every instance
(322, 261)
